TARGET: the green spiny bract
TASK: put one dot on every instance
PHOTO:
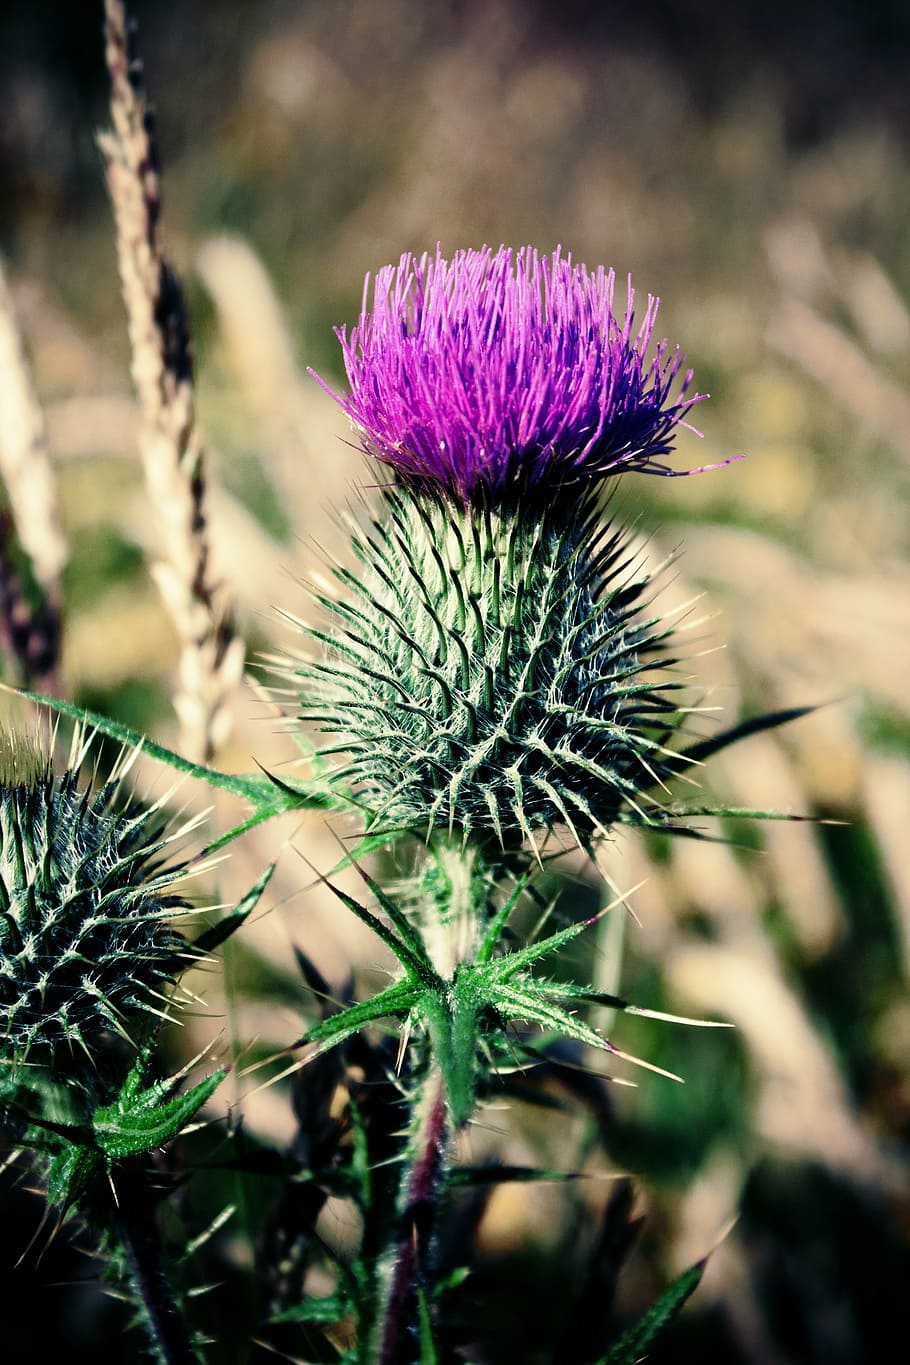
(85, 944)
(490, 673)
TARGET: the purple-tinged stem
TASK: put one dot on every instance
(417, 1205)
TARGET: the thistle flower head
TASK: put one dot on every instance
(501, 373)
(85, 903)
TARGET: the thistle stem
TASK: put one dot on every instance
(417, 1203)
(134, 1227)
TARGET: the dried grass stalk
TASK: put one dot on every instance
(30, 531)
(211, 654)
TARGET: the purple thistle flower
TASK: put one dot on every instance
(501, 371)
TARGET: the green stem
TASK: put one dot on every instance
(407, 1264)
(133, 1225)
(455, 892)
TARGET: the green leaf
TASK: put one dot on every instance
(370, 843)
(671, 820)
(399, 921)
(502, 968)
(527, 1003)
(635, 1343)
(142, 1120)
(500, 919)
(756, 725)
(742, 813)
(395, 1000)
(269, 790)
(267, 795)
(69, 1174)
(133, 739)
(415, 962)
(332, 1308)
(214, 937)
(570, 990)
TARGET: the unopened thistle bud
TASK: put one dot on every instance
(86, 947)
(488, 669)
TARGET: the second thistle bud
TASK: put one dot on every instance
(85, 943)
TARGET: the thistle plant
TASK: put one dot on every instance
(489, 673)
(487, 679)
(88, 942)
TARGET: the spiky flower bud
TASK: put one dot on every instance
(85, 903)
(490, 674)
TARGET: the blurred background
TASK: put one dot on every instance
(747, 163)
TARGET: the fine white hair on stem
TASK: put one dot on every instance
(211, 653)
(25, 468)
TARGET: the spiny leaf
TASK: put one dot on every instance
(370, 843)
(132, 739)
(267, 795)
(214, 937)
(635, 1343)
(756, 725)
(409, 935)
(500, 920)
(140, 1121)
(69, 1173)
(526, 1002)
(415, 963)
(332, 1308)
(743, 813)
(671, 820)
(393, 1002)
(568, 990)
(511, 963)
